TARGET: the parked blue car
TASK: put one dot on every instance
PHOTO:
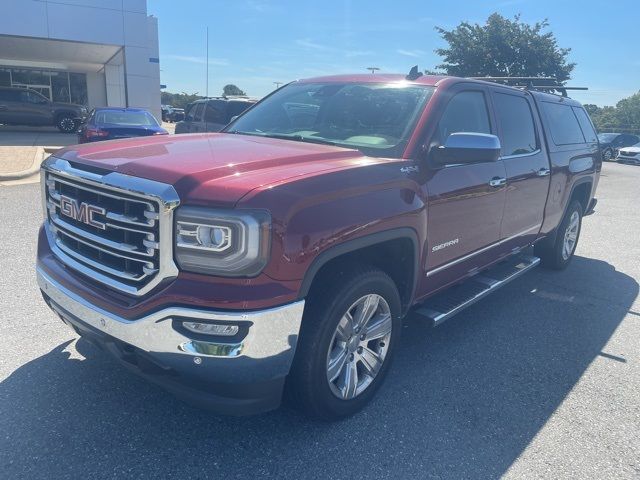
(110, 123)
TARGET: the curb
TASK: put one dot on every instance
(38, 158)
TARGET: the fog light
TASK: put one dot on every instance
(211, 328)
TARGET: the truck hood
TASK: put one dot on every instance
(215, 168)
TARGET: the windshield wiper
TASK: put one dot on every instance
(300, 138)
(285, 136)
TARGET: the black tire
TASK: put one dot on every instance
(608, 155)
(554, 256)
(308, 385)
(66, 123)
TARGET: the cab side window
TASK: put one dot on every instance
(518, 130)
(29, 97)
(465, 112)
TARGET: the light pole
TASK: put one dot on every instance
(373, 69)
(207, 86)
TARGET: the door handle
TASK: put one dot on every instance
(497, 182)
(543, 172)
(3, 107)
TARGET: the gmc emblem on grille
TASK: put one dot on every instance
(82, 212)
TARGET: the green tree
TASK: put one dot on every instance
(503, 47)
(627, 112)
(624, 117)
(232, 90)
(178, 100)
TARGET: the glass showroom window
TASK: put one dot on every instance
(55, 85)
(60, 87)
(78, 88)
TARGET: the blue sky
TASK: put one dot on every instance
(253, 43)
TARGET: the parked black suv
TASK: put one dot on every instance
(22, 106)
(212, 114)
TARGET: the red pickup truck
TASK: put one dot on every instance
(282, 254)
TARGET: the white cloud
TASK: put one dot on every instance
(307, 43)
(201, 60)
(411, 53)
(357, 53)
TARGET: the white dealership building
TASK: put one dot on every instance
(91, 52)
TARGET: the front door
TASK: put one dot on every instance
(526, 164)
(465, 201)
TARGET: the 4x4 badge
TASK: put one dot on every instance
(83, 212)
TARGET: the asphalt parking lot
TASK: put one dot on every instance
(539, 380)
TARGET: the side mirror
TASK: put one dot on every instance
(464, 147)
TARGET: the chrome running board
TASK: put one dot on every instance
(445, 305)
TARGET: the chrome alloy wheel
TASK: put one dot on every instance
(571, 236)
(359, 346)
(67, 124)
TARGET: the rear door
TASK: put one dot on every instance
(466, 201)
(526, 163)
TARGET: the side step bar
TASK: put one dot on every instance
(445, 305)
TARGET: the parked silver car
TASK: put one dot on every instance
(630, 155)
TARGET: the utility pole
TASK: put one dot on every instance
(373, 69)
(277, 84)
(207, 86)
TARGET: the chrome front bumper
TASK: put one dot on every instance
(272, 333)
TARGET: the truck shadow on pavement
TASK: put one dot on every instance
(462, 400)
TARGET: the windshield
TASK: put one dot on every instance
(116, 117)
(607, 137)
(376, 119)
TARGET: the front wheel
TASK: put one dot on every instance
(607, 155)
(347, 341)
(559, 255)
(66, 124)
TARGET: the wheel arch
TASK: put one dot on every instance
(376, 249)
(581, 190)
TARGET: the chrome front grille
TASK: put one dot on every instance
(113, 228)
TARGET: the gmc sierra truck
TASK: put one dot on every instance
(280, 255)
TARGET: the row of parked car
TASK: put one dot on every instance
(23, 106)
(623, 147)
(206, 115)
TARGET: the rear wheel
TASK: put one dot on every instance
(346, 344)
(66, 123)
(558, 255)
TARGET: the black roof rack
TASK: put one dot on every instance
(228, 97)
(540, 84)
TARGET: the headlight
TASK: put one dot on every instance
(220, 242)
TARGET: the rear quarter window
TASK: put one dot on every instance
(585, 124)
(563, 124)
